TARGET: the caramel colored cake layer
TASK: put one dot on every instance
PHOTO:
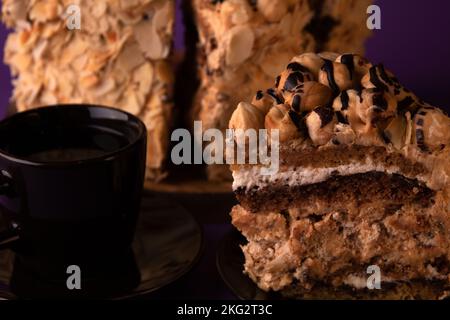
(363, 181)
(305, 250)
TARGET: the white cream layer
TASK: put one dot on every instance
(297, 176)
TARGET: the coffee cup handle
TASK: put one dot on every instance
(11, 235)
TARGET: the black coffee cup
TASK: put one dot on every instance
(71, 178)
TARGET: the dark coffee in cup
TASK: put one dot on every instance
(71, 179)
(68, 144)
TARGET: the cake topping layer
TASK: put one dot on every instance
(343, 99)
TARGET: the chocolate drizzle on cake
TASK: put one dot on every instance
(344, 100)
(277, 81)
(325, 114)
(380, 101)
(347, 60)
(296, 100)
(328, 68)
(296, 119)
(385, 77)
(341, 117)
(375, 80)
(271, 92)
(259, 95)
(405, 103)
(385, 137)
(419, 122)
(420, 139)
(293, 80)
(295, 66)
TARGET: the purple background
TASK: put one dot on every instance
(413, 42)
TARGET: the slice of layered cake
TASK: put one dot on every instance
(363, 185)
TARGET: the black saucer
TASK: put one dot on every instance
(167, 245)
(230, 263)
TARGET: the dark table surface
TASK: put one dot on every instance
(203, 281)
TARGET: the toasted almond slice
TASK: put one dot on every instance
(89, 81)
(50, 28)
(74, 49)
(45, 10)
(39, 50)
(130, 57)
(149, 40)
(107, 85)
(239, 44)
(130, 102)
(14, 11)
(98, 10)
(163, 15)
(21, 62)
(144, 77)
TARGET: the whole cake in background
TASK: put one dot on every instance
(120, 57)
(244, 44)
(364, 180)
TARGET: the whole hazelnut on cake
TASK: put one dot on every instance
(310, 61)
(282, 118)
(376, 105)
(431, 128)
(335, 75)
(247, 116)
(320, 124)
(357, 65)
(264, 101)
(308, 95)
(290, 79)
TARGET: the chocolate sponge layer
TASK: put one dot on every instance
(338, 192)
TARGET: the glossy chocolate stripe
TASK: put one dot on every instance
(344, 100)
(296, 101)
(328, 68)
(272, 93)
(347, 60)
(325, 114)
(384, 75)
(375, 80)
